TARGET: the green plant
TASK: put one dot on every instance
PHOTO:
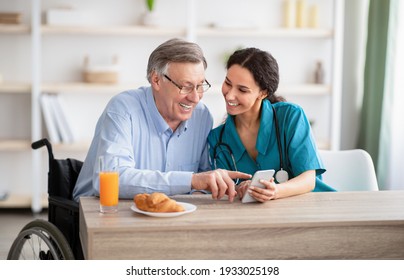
(150, 5)
(227, 54)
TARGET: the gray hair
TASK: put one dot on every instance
(173, 50)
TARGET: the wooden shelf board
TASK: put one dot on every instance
(299, 89)
(14, 145)
(21, 201)
(271, 32)
(81, 146)
(79, 87)
(113, 30)
(15, 87)
(14, 28)
(25, 145)
(305, 89)
(323, 144)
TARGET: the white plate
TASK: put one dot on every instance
(189, 208)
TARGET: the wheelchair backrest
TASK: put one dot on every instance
(62, 177)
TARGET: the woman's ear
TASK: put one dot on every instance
(263, 94)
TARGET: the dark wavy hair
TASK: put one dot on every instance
(263, 66)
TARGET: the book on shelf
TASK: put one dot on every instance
(56, 121)
(50, 122)
(65, 129)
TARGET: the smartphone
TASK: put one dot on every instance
(260, 174)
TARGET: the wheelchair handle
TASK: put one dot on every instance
(43, 142)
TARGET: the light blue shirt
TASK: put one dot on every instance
(299, 149)
(152, 158)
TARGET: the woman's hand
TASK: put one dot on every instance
(270, 192)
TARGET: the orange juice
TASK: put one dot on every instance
(109, 188)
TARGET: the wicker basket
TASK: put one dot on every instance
(100, 77)
(101, 74)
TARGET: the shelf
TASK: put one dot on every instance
(8, 87)
(303, 33)
(288, 90)
(14, 28)
(80, 87)
(81, 146)
(112, 30)
(25, 145)
(304, 89)
(15, 201)
(14, 145)
(323, 144)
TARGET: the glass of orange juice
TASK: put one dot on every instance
(109, 184)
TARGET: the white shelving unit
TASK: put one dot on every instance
(56, 53)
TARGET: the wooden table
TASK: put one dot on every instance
(342, 225)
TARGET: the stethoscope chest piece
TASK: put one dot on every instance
(281, 176)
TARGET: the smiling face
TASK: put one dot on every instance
(173, 106)
(241, 93)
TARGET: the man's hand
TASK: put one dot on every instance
(242, 188)
(219, 182)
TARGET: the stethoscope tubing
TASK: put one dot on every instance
(229, 150)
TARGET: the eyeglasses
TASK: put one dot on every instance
(188, 89)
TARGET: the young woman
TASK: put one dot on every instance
(262, 131)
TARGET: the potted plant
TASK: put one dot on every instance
(150, 17)
(150, 5)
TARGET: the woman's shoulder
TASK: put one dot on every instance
(216, 131)
(215, 134)
(291, 113)
(288, 109)
(287, 106)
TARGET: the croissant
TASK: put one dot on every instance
(156, 202)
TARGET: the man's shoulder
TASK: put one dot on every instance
(202, 111)
(132, 98)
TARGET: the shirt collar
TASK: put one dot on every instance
(158, 120)
(264, 132)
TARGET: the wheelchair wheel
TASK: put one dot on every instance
(40, 240)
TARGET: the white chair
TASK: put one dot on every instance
(349, 170)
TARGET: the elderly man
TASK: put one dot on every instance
(159, 133)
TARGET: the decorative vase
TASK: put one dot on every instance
(150, 18)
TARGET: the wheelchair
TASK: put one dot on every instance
(57, 238)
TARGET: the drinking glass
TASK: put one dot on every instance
(109, 184)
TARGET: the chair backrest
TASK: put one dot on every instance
(62, 177)
(349, 170)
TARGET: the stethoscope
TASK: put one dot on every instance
(280, 176)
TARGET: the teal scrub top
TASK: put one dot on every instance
(298, 146)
